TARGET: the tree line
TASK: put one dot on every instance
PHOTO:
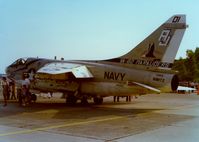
(188, 67)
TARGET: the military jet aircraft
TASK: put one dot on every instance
(144, 69)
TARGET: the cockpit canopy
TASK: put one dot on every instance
(20, 61)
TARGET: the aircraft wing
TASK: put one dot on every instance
(79, 71)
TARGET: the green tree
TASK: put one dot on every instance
(196, 64)
(189, 67)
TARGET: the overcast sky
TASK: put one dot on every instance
(86, 29)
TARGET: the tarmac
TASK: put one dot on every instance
(152, 118)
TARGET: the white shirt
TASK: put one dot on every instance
(26, 82)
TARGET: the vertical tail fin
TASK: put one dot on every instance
(159, 48)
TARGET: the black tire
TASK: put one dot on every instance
(33, 97)
(71, 99)
(84, 100)
(98, 100)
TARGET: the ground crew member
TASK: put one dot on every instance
(114, 98)
(25, 91)
(5, 90)
(12, 85)
(128, 98)
(19, 96)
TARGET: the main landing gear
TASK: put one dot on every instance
(72, 98)
(98, 100)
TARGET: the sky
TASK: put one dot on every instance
(86, 29)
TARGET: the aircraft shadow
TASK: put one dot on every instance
(78, 111)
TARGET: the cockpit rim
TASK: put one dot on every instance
(20, 61)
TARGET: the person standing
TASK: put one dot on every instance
(5, 90)
(114, 98)
(26, 82)
(24, 95)
(25, 89)
(19, 95)
(12, 86)
(128, 98)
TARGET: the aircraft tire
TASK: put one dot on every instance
(33, 97)
(84, 100)
(71, 100)
(98, 100)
